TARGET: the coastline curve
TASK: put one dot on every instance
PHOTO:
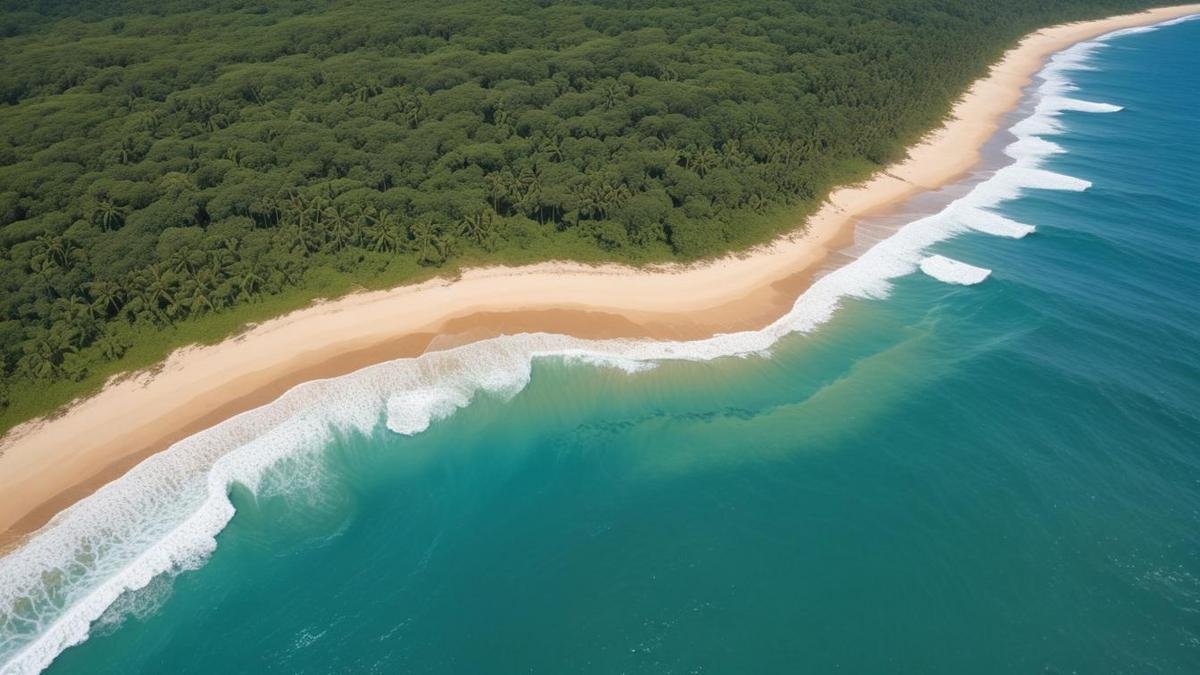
(163, 516)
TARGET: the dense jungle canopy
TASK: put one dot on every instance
(172, 169)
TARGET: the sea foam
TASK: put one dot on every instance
(996, 224)
(953, 271)
(162, 516)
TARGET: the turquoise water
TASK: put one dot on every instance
(1001, 477)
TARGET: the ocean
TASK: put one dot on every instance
(976, 448)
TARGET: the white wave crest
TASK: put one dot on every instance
(411, 412)
(952, 271)
(1032, 147)
(164, 514)
(997, 225)
(1147, 29)
(1077, 105)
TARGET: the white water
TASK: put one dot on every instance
(953, 271)
(163, 516)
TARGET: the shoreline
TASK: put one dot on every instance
(48, 464)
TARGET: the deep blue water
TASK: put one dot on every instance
(1001, 477)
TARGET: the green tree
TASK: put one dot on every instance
(386, 233)
(428, 242)
(478, 227)
(108, 215)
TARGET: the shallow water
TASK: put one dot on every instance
(998, 476)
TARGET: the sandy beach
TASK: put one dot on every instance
(46, 465)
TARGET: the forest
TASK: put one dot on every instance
(171, 170)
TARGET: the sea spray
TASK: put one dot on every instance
(163, 515)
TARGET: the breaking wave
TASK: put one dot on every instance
(162, 517)
(953, 271)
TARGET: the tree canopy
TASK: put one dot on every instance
(162, 161)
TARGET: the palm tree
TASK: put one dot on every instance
(220, 258)
(64, 251)
(59, 250)
(365, 91)
(188, 261)
(78, 306)
(140, 304)
(300, 239)
(756, 202)
(552, 147)
(478, 227)
(45, 350)
(266, 210)
(127, 152)
(107, 296)
(65, 338)
(366, 215)
(247, 282)
(158, 285)
(339, 230)
(199, 299)
(203, 296)
(732, 155)
(254, 92)
(363, 220)
(385, 234)
(79, 315)
(804, 147)
(148, 121)
(702, 161)
(599, 199)
(137, 308)
(228, 250)
(316, 217)
(297, 208)
(111, 347)
(584, 196)
(411, 107)
(36, 363)
(108, 215)
(41, 266)
(178, 307)
(431, 250)
(530, 191)
(498, 187)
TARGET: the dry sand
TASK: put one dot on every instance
(49, 464)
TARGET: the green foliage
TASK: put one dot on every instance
(170, 169)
